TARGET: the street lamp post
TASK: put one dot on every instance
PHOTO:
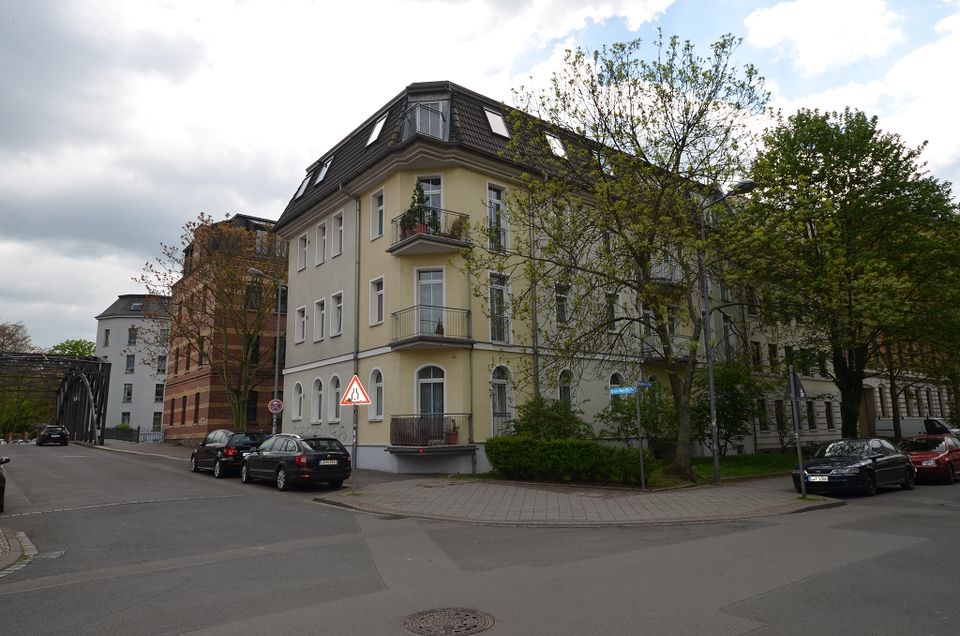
(740, 187)
(276, 356)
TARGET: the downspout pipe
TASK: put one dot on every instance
(356, 329)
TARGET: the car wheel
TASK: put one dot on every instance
(193, 464)
(245, 473)
(1, 498)
(218, 469)
(336, 483)
(869, 485)
(910, 480)
(282, 483)
(951, 474)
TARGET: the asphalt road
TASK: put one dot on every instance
(149, 548)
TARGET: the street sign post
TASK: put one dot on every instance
(635, 390)
(796, 391)
(355, 394)
(622, 390)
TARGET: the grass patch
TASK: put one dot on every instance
(745, 465)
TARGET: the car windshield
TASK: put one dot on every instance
(324, 445)
(923, 445)
(845, 448)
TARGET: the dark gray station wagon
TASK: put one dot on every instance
(287, 460)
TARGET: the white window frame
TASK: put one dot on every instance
(321, 242)
(497, 124)
(501, 209)
(303, 186)
(376, 214)
(377, 128)
(322, 172)
(297, 414)
(319, 318)
(338, 233)
(376, 302)
(561, 385)
(130, 364)
(335, 388)
(316, 402)
(556, 146)
(300, 324)
(376, 396)
(336, 315)
(302, 243)
(506, 307)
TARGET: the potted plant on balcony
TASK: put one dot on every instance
(412, 218)
(457, 228)
(452, 435)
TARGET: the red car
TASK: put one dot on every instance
(934, 456)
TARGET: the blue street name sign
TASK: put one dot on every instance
(644, 384)
(622, 390)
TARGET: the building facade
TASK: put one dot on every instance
(223, 330)
(131, 335)
(378, 288)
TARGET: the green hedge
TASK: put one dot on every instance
(520, 457)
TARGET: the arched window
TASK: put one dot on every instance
(615, 380)
(376, 384)
(566, 388)
(317, 415)
(335, 404)
(430, 390)
(500, 390)
(297, 401)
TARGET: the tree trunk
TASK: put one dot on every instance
(894, 397)
(848, 366)
(681, 401)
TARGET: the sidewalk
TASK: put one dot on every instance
(496, 502)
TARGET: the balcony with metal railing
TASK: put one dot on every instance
(424, 326)
(428, 230)
(426, 119)
(430, 433)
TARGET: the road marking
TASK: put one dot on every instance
(114, 505)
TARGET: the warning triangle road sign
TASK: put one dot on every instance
(355, 394)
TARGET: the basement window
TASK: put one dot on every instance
(497, 125)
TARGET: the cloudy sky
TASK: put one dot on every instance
(121, 120)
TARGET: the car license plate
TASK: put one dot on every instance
(328, 462)
(817, 478)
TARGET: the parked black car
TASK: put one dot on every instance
(288, 460)
(3, 480)
(222, 451)
(856, 465)
(53, 435)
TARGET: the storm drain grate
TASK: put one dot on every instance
(448, 620)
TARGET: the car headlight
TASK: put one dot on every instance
(928, 462)
(848, 470)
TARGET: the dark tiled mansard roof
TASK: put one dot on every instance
(469, 129)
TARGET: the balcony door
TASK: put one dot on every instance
(430, 301)
(432, 188)
(430, 391)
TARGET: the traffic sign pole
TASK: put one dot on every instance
(636, 399)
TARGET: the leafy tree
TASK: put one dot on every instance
(218, 309)
(850, 237)
(77, 347)
(737, 391)
(541, 418)
(14, 337)
(618, 420)
(610, 207)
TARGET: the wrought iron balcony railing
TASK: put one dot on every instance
(442, 230)
(433, 429)
(430, 322)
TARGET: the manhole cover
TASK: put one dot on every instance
(448, 620)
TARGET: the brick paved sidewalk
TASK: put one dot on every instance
(508, 503)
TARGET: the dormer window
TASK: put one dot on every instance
(377, 129)
(323, 171)
(556, 145)
(497, 125)
(136, 306)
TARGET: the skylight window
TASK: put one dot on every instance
(556, 145)
(323, 171)
(136, 306)
(303, 186)
(377, 128)
(497, 125)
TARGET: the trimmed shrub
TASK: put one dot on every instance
(524, 457)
